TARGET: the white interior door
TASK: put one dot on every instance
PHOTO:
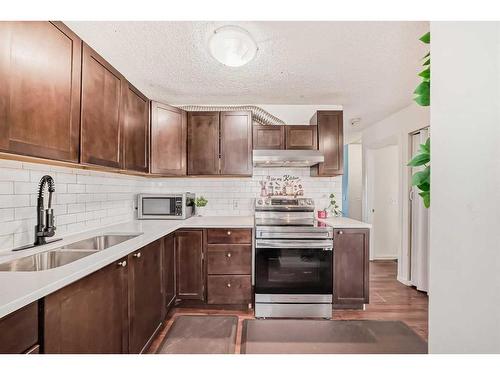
(419, 233)
(385, 203)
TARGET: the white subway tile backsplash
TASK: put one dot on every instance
(88, 199)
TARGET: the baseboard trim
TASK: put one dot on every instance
(404, 281)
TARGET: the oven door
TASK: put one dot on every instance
(292, 267)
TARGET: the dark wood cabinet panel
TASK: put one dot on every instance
(203, 143)
(301, 137)
(135, 129)
(268, 137)
(229, 259)
(351, 266)
(229, 235)
(145, 295)
(189, 264)
(40, 66)
(90, 315)
(330, 143)
(229, 289)
(19, 330)
(168, 140)
(102, 102)
(168, 272)
(236, 143)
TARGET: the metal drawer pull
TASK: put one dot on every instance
(123, 264)
(228, 255)
(341, 232)
(228, 232)
(137, 255)
(228, 285)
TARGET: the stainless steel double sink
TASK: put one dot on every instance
(65, 254)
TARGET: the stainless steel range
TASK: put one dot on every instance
(293, 260)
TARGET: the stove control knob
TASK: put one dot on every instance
(260, 202)
(309, 202)
(268, 202)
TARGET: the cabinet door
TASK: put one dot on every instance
(351, 266)
(19, 330)
(40, 66)
(90, 315)
(168, 140)
(168, 272)
(135, 129)
(203, 143)
(236, 143)
(145, 295)
(330, 143)
(301, 137)
(101, 110)
(189, 264)
(268, 137)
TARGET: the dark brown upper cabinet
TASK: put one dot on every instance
(236, 143)
(351, 266)
(135, 129)
(268, 137)
(330, 143)
(168, 140)
(301, 137)
(190, 268)
(40, 67)
(220, 143)
(102, 102)
(145, 295)
(203, 143)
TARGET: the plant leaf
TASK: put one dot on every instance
(424, 187)
(422, 88)
(426, 196)
(427, 62)
(426, 147)
(419, 159)
(426, 38)
(425, 74)
(424, 100)
(426, 55)
(421, 177)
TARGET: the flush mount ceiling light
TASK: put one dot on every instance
(232, 46)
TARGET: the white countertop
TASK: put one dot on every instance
(18, 289)
(345, 223)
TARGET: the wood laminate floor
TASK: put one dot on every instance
(389, 300)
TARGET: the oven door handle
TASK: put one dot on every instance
(273, 244)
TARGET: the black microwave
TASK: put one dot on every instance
(165, 206)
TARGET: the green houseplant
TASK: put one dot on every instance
(333, 207)
(422, 178)
(200, 203)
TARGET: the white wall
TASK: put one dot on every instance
(395, 130)
(464, 305)
(355, 183)
(88, 199)
(385, 172)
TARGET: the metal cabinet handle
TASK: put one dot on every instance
(228, 255)
(341, 232)
(123, 263)
(228, 232)
(228, 285)
(137, 255)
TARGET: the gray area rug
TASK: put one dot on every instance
(201, 334)
(291, 336)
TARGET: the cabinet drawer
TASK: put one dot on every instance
(229, 259)
(19, 330)
(225, 236)
(229, 289)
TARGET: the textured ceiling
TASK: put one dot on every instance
(367, 67)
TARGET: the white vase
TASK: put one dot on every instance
(201, 211)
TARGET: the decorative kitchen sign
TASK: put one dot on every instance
(287, 185)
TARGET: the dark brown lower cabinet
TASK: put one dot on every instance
(168, 273)
(189, 264)
(19, 331)
(145, 295)
(229, 289)
(90, 315)
(351, 266)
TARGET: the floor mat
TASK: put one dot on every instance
(292, 336)
(201, 334)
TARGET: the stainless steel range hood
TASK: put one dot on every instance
(287, 158)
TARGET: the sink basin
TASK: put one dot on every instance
(99, 242)
(44, 261)
(65, 254)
